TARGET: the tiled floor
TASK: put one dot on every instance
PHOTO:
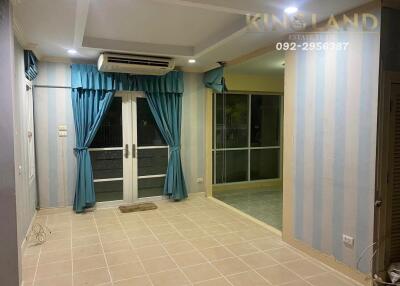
(262, 204)
(195, 242)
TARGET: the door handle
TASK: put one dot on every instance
(126, 153)
(133, 151)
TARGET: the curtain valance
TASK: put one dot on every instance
(30, 62)
(88, 77)
(214, 79)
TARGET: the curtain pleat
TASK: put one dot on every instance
(89, 108)
(30, 63)
(214, 79)
(167, 112)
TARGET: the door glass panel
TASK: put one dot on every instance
(231, 166)
(148, 133)
(107, 164)
(152, 161)
(150, 187)
(110, 130)
(108, 191)
(265, 120)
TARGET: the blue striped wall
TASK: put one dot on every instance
(56, 165)
(333, 141)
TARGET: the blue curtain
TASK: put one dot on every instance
(30, 63)
(167, 112)
(214, 79)
(89, 107)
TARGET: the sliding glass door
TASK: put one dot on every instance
(246, 137)
(129, 156)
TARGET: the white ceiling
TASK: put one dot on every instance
(207, 30)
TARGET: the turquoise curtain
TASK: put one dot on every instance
(214, 79)
(30, 63)
(89, 108)
(92, 92)
(167, 112)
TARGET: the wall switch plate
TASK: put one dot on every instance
(62, 127)
(348, 241)
(62, 134)
(199, 180)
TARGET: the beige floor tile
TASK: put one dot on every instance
(144, 241)
(189, 258)
(305, 268)
(329, 279)
(216, 253)
(284, 254)
(85, 240)
(64, 280)
(150, 252)
(266, 244)
(161, 229)
(92, 277)
(28, 274)
(126, 271)
(159, 264)
(193, 233)
(230, 266)
(178, 247)
(121, 257)
(277, 275)
(104, 229)
(230, 238)
(117, 246)
(56, 245)
(297, 283)
(86, 251)
(87, 231)
(169, 278)
(56, 235)
(138, 232)
(258, 260)
(54, 269)
(241, 248)
(247, 278)
(170, 237)
(204, 242)
(113, 236)
(136, 281)
(55, 256)
(215, 282)
(30, 260)
(89, 263)
(201, 272)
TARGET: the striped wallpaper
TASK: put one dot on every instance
(330, 144)
(56, 165)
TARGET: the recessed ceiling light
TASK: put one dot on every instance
(191, 61)
(291, 10)
(72, 52)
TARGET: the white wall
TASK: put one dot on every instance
(56, 163)
(25, 187)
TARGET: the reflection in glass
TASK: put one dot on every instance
(108, 191)
(152, 161)
(233, 119)
(231, 166)
(264, 164)
(150, 187)
(110, 130)
(148, 133)
(106, 164)
(265, 120)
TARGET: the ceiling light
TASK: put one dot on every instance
(191, 61)
(291, 10)
(72, 52)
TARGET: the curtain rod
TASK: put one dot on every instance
(51, 86)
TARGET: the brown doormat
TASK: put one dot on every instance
(138, 207)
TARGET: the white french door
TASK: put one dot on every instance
(129, 156)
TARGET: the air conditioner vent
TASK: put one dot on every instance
(133, 64)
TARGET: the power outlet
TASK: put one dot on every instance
(348, 241)
(199, 180)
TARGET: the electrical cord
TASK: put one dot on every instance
(39, 233)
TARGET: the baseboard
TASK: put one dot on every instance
(248, 185)
(330, 261)
(24, 241)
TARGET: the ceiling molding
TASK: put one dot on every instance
(138, 47)
(81, 13)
